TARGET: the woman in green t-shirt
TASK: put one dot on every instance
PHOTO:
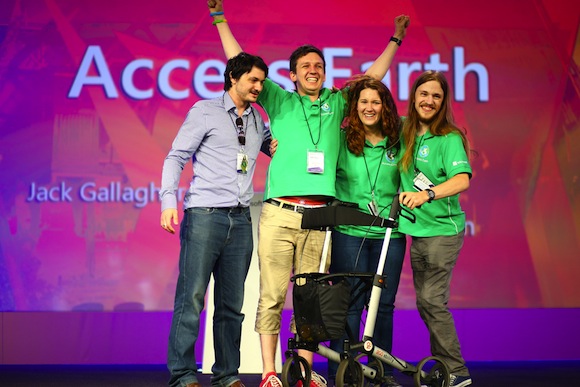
(367, 175)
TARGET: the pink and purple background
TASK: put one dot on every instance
(92, 94)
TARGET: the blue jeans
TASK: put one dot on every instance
(345, 249)
(213, 241)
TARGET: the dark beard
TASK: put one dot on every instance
(427, 122)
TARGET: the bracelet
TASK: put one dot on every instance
(219, 21)
(398, 41)
(216, 13)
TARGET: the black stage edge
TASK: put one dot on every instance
(484, 374)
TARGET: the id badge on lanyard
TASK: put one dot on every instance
(421, 182)
(242, 163)
(315, 161)
(372, 207)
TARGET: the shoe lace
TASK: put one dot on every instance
(318, 380)
(273, 381)
(452, 379)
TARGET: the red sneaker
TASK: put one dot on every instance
(271, 380)
(315, 381)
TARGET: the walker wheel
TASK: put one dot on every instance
(432, 372)
(292, 371)
(376, 365)
(349, 373)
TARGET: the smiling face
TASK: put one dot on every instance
(309, 76)
(246, 89)
(428, 101)
(369, 107)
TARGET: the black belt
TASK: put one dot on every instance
(230, 210)
(290, 206)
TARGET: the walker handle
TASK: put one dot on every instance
(395, 208)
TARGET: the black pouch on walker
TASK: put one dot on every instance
(320, 306)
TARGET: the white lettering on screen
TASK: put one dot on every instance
(94, 71)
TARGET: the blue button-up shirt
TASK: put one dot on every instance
(209, 137)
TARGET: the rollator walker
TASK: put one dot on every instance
(321, 303)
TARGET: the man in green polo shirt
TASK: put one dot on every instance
(434, 170)
(302, 175)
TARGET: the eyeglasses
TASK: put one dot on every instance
(241, 132)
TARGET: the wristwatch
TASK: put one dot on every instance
(431, 194)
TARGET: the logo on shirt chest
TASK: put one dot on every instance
(390, 156)
(326, 111)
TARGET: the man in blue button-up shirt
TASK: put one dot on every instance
(222, 137)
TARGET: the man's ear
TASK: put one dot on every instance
(293, 76)
(232, 78)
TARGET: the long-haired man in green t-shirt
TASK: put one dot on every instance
(434, 170)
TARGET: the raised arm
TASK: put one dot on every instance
(381, 65)
(229, 43)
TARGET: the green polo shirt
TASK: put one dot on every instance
(300, 126)
(439, 158)
(357, 176)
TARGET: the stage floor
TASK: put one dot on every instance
(484, 374)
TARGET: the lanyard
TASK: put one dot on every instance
(308, 124)
(236, 128)
(417, 154)
(371, 184)
(246, 124)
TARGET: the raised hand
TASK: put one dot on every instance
(215, 5)
(401, 24)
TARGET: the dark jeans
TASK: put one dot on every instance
(433, 260)
(345, 249)
(219, 242)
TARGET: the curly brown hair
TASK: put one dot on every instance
(390, 122)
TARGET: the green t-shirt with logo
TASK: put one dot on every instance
(303, 128)
(358, 176)
(439, 158)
